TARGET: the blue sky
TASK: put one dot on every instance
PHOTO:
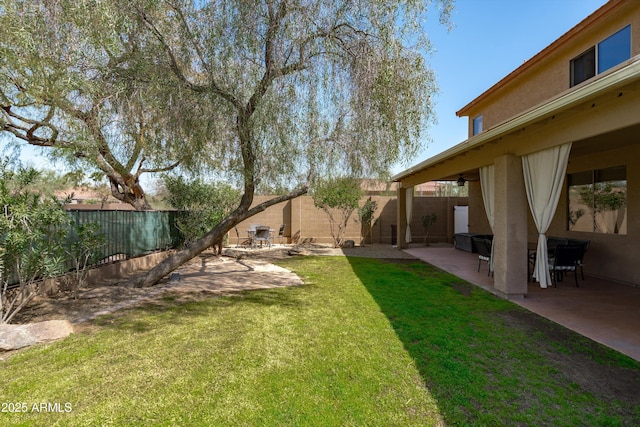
(490, 38)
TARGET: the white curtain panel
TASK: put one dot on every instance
(487, 184)
(409, 206)
(544, 173)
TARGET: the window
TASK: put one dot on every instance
(615, 49)
(610, 52)
(583, 67)
(598, 201)
(477, 125)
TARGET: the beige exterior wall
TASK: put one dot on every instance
(610, 255)
(604, 133)
(306, 223)
(533, 109)
(549, 75)
(478, 222)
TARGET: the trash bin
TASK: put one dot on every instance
(394, 234)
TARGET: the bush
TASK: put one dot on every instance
(205, 204)
(84, 251)
(366, 216)
(32, 229)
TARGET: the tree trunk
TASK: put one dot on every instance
(176, 260)
(130, 193)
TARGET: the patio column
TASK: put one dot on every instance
(408, 213)
(401, 217)
(510, 228)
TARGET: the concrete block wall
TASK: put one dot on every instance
(306, 223)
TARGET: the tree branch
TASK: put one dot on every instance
(183, 256)
(175, 67)
(160, 169)
(28, 133)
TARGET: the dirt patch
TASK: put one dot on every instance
(204, 275)
(237, 270)
(575, 358)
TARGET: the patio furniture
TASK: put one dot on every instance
(281, 233)
(483, 246)
(242, 243)
(262, 235)
(552, 242)
(565, 258)
(464, 241)
(585, 245)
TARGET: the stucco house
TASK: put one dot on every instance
(559, 139)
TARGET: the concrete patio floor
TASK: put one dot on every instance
(606, 312)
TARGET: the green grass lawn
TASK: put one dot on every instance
(362, 343)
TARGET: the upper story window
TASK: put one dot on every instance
(477, 125)
(583, 67)
(614, 49)
(608, 53)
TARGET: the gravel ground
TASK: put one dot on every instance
(237, 270)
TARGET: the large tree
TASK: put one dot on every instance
(308, 88)
(58, 89)
(285, 91)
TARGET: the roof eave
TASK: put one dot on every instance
(617, 78)
(533, 61)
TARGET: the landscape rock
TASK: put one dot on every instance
(298, 251)
(349, 244)
(14, 337)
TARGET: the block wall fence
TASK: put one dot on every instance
(307, 224)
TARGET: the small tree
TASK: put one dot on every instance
(84, 251)
(338, 197)
(32, 230)
(204, 204)
(427, 223)
(366, 216)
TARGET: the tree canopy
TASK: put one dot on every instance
(274, 91)
(58, 89)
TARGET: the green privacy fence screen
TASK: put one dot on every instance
(127, 234)
(131, 233)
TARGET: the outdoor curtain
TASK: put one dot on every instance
(409, 206)
(544, 173)
(487, 184)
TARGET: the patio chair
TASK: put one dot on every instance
(483, 246)
(585, 245)
(565, 258)
(552, 242)
(242, 243)
(281, 233)
(262, 234)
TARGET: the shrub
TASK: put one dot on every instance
(366, 216)
(84, 251)
(32, 229)
(204, 204)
